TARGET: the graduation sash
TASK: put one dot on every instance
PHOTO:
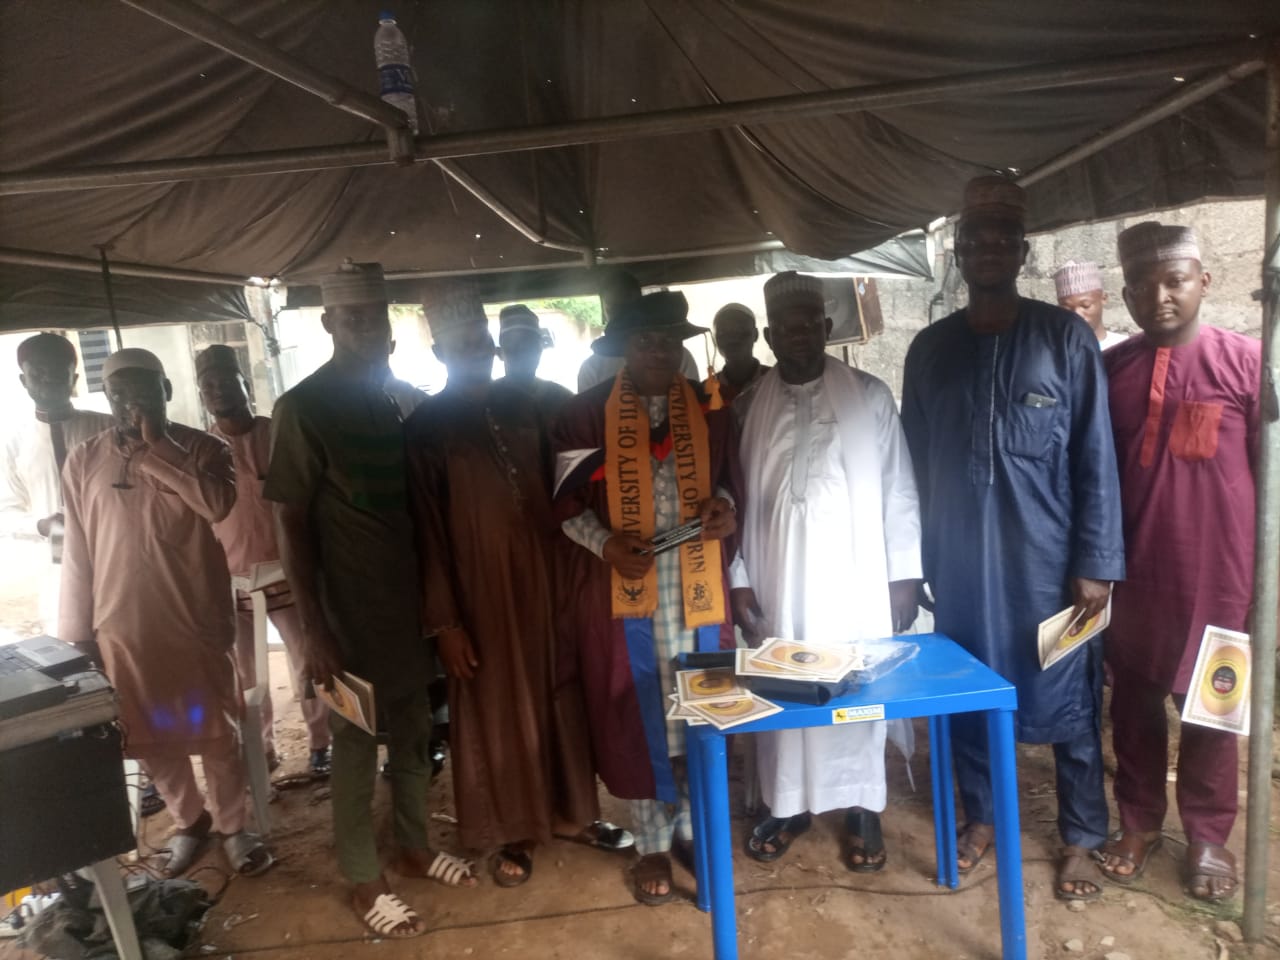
(629, 486)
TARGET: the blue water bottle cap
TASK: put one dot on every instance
(387, 15)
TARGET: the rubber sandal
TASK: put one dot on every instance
(520, 858)
(450, 870)
(864, 826)
(1129, 846)
(770, 831)
(388, 915)
(247, 854)
(602, 835)
(1209, 861)
(151, 802)
(1077, 865)
(973, 844)
(651, 868)
(183, 849)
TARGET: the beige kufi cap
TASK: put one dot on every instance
(132, 358)
(1153, 242)
(1074, 278)
(353, 284)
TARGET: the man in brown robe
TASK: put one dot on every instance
(144, 589)
(248, 536)
(479, 465)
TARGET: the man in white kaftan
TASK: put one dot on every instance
(831, 546)
(31, 471)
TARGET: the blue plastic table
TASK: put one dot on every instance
(943, 679)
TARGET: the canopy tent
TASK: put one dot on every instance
(574, 132)
(133, 93)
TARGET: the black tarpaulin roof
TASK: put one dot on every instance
(93, 82)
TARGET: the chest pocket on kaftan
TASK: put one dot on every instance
(1030, 428)
(1195, 430)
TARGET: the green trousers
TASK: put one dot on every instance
(406, 721)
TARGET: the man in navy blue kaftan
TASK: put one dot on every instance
(1005, 411)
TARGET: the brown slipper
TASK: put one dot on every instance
(1207, 862)
(1077, 866)
(1129, 846)
(649, 869)
(514, 855)
(973, 843)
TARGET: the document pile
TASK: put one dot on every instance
(714, 696)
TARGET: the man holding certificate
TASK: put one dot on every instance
(1004, 404)
(831, 546)
(337, 481)
(635, 458)
(1184, 402)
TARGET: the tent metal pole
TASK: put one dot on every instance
(32, 258)
(201, 24)
(1266, 591)
(1168, 107)
(506, 214)
(111, 297)
(660, 123)
(198, 23)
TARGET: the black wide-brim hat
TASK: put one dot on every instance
(664, 312)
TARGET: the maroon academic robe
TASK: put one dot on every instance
(622, 756)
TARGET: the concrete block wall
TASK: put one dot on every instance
(1231, 242)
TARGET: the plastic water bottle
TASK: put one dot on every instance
(395, 72)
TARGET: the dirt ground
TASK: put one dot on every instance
(578, 904)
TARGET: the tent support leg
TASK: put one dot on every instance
(1267, 555)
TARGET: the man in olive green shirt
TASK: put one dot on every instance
(337, 478)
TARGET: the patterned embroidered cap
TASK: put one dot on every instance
(995, 196)
(450, 305)
(353, 284)
(217, 357)
(1076, 277)
(791, 289)
(1154, 242)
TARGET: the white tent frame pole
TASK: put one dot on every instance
(1266, 591)
(1168, 107)
(883, 96)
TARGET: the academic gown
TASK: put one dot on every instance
(832, 518)
(491, 550)
(1186, 432)
(143, 575)
(621, 750)
(1016, 468)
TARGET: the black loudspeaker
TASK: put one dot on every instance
(63, 805)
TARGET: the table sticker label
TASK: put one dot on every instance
(858, 714)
